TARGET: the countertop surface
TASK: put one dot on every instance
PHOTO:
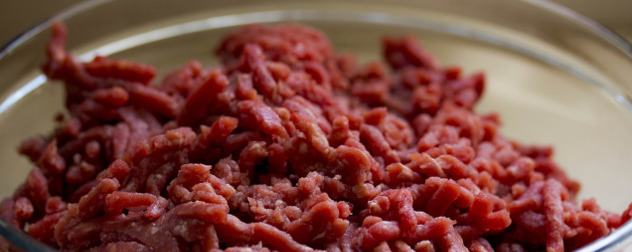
(18, 16)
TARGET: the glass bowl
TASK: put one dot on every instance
(555, 77)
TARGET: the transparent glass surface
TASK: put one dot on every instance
(554, 77)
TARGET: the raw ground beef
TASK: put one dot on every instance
(289, 146)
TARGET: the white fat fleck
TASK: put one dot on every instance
(374, 207)
(425, 245)
(513, 170)
(257, 145)
(357, 189)
(178, 228)
(320, 235)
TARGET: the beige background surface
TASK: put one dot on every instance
(16, 16)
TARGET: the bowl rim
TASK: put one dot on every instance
(622, 234)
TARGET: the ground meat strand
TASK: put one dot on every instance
(289, 146)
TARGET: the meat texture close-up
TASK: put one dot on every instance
(289, 145)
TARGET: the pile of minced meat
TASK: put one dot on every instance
(290, 146)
